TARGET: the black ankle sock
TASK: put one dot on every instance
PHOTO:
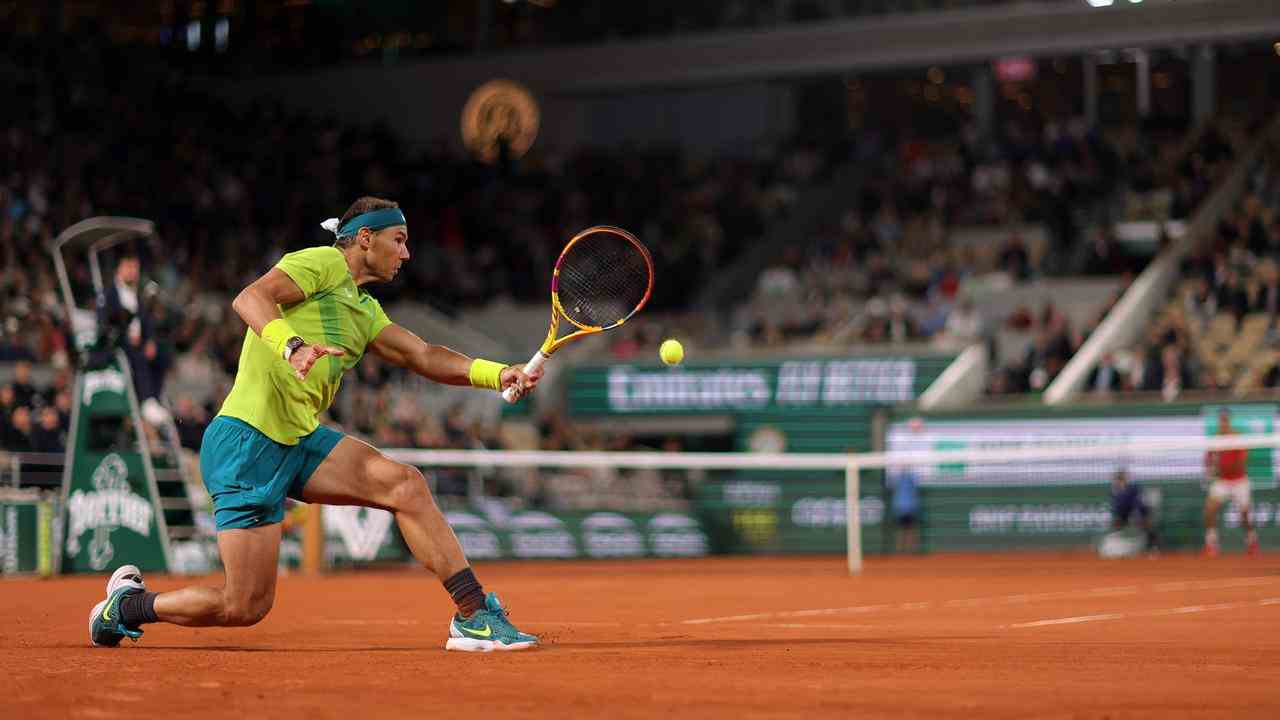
(466, 592)
(138, 608)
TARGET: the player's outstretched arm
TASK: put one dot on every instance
(259, 305)
(438, 363)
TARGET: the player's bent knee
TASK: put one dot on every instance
(244, 616)
(409, 491)
(245, 612)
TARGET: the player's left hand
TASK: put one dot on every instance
(524, 382)
(306, 356)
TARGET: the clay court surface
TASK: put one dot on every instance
(1029, 635)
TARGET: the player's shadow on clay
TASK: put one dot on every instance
(718, 643)
(683, 642)
(265, 649)
(745, 643)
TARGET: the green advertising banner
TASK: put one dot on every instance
(1265, 516)
(823, 404)
(109, 495)
(1007, 433)
(598, 535)
(750, 387)
(27, 535)
(1072, 517)
(802, 405)
(358, 536)
(788, 513)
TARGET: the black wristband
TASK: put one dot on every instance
(292, 344)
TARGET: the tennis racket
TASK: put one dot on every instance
(602, 277)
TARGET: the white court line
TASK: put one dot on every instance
(789, 613)
(856, 609)
(574, 623)
(373, 622)
(1016, 599)
(388, 621)
(830, 626)
(1213, 584)
(1198, 608)
(1069, 620)
(1057, 595)
(1185, 610)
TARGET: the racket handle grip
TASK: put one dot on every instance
(534, 363)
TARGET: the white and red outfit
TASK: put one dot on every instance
(1232, 482)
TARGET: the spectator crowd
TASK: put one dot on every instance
(891, 268)
(231, 189)
(34, 417)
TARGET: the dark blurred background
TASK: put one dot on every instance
(815, 178)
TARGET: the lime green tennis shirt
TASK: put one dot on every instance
(335, 312)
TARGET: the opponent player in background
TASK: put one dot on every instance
(1229, 480)
(309, 322)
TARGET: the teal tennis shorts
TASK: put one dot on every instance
(248, 474)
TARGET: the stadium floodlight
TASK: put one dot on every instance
(1099, 3)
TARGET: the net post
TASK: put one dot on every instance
(313, 541)
(853, 517)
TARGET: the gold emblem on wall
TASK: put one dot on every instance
(499, 111)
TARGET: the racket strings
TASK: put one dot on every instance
(603, 279)
(604, 282)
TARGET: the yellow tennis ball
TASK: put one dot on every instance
(671, 352)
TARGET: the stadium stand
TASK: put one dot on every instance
(943, 226)
(1222, 315)
(892, 265)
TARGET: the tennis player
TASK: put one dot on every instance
(310, 321)
(1229, 481)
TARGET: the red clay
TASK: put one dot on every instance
(934, 637)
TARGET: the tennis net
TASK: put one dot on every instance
(1022, 495)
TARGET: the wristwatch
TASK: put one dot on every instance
(292, 344)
